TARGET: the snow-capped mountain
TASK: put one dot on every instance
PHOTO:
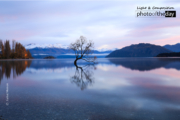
(106, 49)
(40, 51)
(33, 45)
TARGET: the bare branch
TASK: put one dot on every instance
(83, 49)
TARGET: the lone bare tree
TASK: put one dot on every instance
(83, 50)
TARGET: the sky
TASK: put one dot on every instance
(109, 23)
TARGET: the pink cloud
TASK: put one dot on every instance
(4, 18)
(19, 34)
(170, 40)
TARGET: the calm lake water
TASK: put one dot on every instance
(113, 89)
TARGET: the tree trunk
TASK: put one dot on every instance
(75, 62)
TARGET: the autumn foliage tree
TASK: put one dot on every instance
(2, 49)
(20, 51)
(17, 51)
(29, 54)
(7, 49)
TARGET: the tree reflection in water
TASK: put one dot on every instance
(17, 66)
(83, 76)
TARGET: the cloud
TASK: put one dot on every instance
(111, 23)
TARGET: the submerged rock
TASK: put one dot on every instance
(49, 57)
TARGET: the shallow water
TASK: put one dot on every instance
(113, 89)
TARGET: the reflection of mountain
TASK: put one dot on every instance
(145, 64)
(18, 67)
(54, 63)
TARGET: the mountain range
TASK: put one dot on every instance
(59, 51)
(33, 45)
(139, 50)
(174, 48)
(135, 50)
(59, 46)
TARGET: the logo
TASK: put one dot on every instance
(161, 12)
(170, 13)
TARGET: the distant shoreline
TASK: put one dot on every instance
(172, 54)
(98, 58)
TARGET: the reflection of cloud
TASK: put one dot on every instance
(168, 74)
(155, 88)
(25, 82)
(108, 73)
(116, 93)
(47, 70)
(143, 90)
(104, 68)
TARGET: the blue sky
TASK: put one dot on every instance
(110, 24)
